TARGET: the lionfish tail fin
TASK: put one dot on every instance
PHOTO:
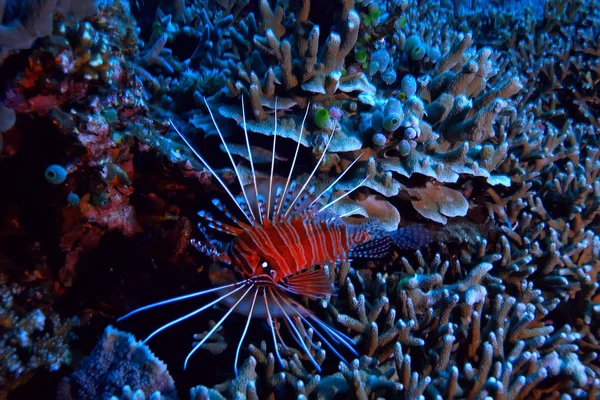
(412, 237)
(311, 283)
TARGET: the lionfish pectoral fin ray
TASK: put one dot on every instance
(193, 313)
(217, 177)
(289, 178)
(294, 330)
(237, 352)
(217, 325)
(237, 173)
(334, 333)
(319, 334)
(272, 326)
(180, 298)
(339, 336)
(313, 284)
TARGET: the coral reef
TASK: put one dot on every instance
(478, 120)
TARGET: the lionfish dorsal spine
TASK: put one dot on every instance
(337, 179)
(207, 166)
(311, 174)
(249, 152)
(278, 195)
(289, 178)
(287, 200)
(272, 162)
(346, 193)
(237, 173)
(261, 208)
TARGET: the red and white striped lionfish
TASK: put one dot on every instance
(279, 250)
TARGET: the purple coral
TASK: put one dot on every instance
(118, 360)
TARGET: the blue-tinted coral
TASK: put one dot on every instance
(118, 361)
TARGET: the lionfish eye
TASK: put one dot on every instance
(267, 269)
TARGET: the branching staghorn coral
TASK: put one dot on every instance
(299, 66)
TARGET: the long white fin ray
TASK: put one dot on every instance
(311, 175)
(237, 173)
(214, 328)
(217, 177)
(249, 156)
(272, 162)
(295, 157)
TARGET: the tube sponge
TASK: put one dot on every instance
(322, 118)
(408, 86)
(391, 122)
(379, 61)
(55, 174)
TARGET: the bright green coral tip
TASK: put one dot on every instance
(367, 20)
(374, 12)
(360, 56)
(322, 118)
(402, 23)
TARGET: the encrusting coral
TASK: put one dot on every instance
(118, 366)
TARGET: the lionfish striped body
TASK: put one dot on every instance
(278, 251)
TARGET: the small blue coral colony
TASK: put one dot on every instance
(366, 199)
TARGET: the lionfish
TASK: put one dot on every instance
(278, 251)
